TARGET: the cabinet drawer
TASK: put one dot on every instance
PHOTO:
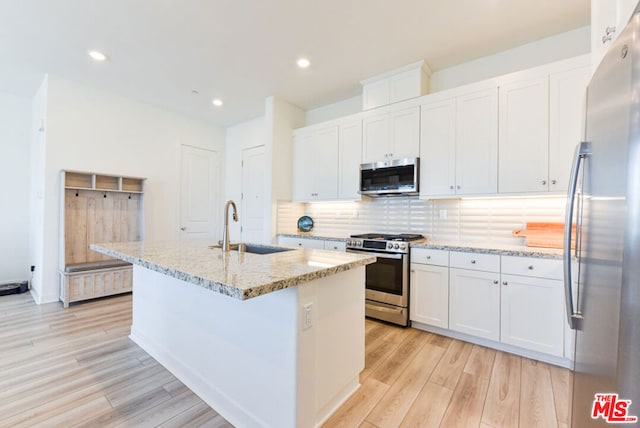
(475, 261)
(530, 266)
(335, 245)
(428, 256)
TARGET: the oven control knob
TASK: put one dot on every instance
(396, 246)
(403, 246)
(359, 243)
(389, 245)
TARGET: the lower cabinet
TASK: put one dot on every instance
(429, 301)
(318, 244)
(532, 314)
(516, 301)
(474, 303)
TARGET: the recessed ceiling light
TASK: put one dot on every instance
(217, 102)
(98, 56)
(303, 62)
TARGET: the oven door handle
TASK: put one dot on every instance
(381, 255)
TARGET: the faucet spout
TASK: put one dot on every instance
(225, 237)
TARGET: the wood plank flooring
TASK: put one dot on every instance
(76, 367)
(418, 379)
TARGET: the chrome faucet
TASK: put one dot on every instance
(225, 236)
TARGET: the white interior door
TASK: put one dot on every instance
(253, 184)
(200, 194)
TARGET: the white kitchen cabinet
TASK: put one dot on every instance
(391, 135)
(315, 165)
(532, 304)
(397, 85)
(524, 136)
(438, 148)
(477, 143)
(335, 245)
(459, 145)
(349, 159)
(289, 241)
(429, 281)
(567, 102)
(474, 302)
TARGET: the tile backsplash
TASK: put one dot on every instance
(489, 219)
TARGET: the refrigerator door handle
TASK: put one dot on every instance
(582, 150)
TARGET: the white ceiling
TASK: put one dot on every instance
(245, 50)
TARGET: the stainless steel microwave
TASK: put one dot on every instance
(399, 177)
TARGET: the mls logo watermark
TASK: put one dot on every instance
(612, 409)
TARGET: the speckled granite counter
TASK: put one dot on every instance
(239, 275)
(492, 248)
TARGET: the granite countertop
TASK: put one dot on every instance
(469, 247)
(492, 248)
(239, 275)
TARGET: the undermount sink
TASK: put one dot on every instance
(254, 249)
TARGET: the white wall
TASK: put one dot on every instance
(15, 142)
(96, 131)
(281, 118)
(550, 49)
(560, 46)
(240, 137)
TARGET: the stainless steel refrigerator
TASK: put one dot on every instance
(603, 287)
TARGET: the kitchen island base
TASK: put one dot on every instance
(289, 358)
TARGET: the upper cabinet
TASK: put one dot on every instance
(567, 106)
(459, 145)
(524, 136)
(315, 165)
(608, 19)
(391, 135)
(541, 121)
(326, 162)
(397, 85)
(349, 159)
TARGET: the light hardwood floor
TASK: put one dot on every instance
(77, 367)
(417, 379)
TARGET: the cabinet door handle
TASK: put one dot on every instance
(428, 257)
(554, 181)
(458, 187)
(530, 267)
(183, 228)
(473, 262)
(451, 187)
(543, 182)
(495, 281)
(505, 283)
(413, 271)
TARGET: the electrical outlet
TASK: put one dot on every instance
(307, 316)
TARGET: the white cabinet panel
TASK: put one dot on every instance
(429, 256)
(438, 148)
(315, 165)
(404, 133)
(477, 143)
(524, 136)
(335, 245)
(532, 313)
(567, 101)
(429, 303)
(474, 303)
(349, 158)
(375, 94)
(375, 138)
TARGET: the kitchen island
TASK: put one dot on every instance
(265, 339)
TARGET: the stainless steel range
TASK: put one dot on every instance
(387, 280)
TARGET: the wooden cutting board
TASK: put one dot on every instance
(548, 235)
